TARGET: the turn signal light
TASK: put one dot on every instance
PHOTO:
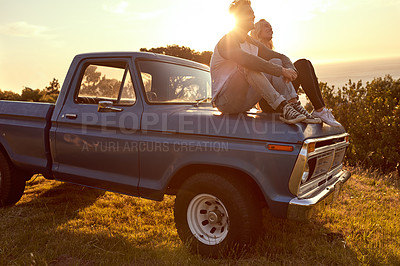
(275, 147)
(311, 147)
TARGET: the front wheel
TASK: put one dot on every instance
(216, 215)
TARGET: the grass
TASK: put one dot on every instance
(57, 223)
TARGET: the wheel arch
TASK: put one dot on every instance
(27, 174)
(5, 153)
(187, 171)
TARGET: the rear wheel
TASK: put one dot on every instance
(12, 184)
(216, 215)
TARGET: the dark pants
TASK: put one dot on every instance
(308, 81)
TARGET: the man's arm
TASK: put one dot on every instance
(229, 48)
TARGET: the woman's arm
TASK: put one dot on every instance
(267, 54)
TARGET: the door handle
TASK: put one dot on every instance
(107, 106)
(71, 116)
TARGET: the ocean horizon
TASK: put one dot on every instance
(339, 74)
(336, 74)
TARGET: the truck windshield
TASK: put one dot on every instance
(169, 83)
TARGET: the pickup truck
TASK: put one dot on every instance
(143, 124)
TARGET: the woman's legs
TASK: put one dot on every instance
(289, 93)
(309, 82)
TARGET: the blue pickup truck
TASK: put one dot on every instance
(142, 124)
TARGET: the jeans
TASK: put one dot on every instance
(243, 89)
(306, 78)
(287, 90)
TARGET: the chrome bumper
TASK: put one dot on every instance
(301, 209)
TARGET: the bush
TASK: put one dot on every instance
(49, 94)
(371, 115)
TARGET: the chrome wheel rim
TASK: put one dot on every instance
(208, 219)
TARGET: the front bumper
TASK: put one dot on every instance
(301, 209)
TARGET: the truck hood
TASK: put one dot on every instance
(251, 125)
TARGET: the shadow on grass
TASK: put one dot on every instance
(36, 233)
(65, 197)
(295, 242)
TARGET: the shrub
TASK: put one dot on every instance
(371, 115)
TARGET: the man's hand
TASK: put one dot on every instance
(288, 74)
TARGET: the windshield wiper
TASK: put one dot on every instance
(199, 101)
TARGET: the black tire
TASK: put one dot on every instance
(225, 217)
(12, 184)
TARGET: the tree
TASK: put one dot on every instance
(48, 94)
(204, 57)
(182, 52)
(53, 88)
(91, 77)
(9, 95)
(51, 92)
(31, 95)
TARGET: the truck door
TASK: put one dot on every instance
(96, 135)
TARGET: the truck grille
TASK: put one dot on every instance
(324, 165)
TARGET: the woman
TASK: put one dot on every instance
(306, 78)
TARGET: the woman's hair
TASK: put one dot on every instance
(256, 33)
(237, 4)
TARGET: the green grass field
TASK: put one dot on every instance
(57, 223)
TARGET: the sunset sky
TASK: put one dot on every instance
(38, 39)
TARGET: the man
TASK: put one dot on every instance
(237, 65)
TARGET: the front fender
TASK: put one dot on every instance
(270, 170)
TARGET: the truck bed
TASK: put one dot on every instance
(24, 129)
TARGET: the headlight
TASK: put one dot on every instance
(305, 173)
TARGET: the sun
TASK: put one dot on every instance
(203, 27)
(201, 30)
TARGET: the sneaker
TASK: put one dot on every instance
(326, 117)
(291, 115)
(309, 118)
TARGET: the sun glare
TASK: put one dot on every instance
(203, 32)
(215, 28)
(228, 23)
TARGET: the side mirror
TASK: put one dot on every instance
(107, 106)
